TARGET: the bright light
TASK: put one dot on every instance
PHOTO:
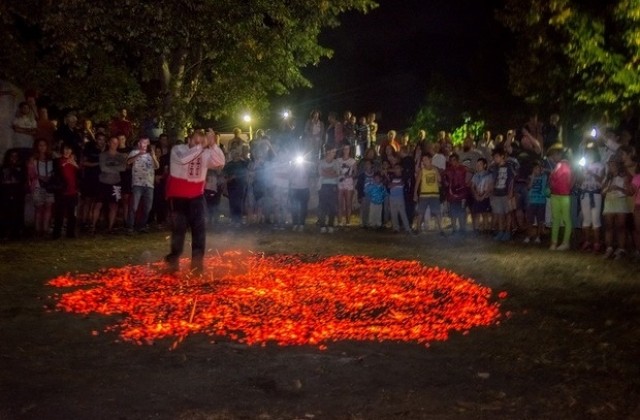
(286, 114)
(582, 161)
(299, 160)
(594, 132)
(246, 118)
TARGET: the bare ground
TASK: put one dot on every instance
(568, 349)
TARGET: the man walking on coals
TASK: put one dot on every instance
(185, 191)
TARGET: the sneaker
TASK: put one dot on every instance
(597, 248)
(608, 253)
(553, 247)
(526, 240)
(619, 254)
(506, 236)
(295, 228)
(498, 236)
(563, 247)
(586, 246)
(323, 230)
(537, 240)
(300, 228)
(330, 230)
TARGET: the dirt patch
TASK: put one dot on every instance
(567, 346)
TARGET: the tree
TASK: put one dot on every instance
(191, 59)
(575, 55)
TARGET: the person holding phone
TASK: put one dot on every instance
(143, 162)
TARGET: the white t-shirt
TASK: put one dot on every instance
(22, 140)
(143, 170)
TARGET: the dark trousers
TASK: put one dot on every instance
(236, 193)
(65, 207)
(299, 199)
(327, 204)
(187, 213)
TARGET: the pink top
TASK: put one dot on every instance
(636, 186)
(560, 179)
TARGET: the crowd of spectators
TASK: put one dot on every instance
(525, 185)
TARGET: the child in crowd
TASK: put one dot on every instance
(377, 193)
(591, 200)
(616, 189)
(329, 172)
(397, 200)
(455, 178)
(427, 192)
(364, 179)
(536, 203)
(502, 192)
(480, 197)
(560, 184)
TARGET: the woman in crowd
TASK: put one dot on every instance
(40, 173)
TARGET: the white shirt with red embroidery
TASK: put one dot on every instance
(188, 169)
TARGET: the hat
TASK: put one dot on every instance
(556, 147)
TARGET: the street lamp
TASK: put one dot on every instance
(247, 119)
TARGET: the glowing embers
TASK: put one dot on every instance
(289, 300)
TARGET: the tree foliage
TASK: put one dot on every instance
(188, 58)
(569, 53)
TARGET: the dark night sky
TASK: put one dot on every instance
(383, 60)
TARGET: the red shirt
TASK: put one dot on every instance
(70, 176)
(560, 179)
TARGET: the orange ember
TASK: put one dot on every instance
(289, 300)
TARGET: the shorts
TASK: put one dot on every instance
(429, 202)
(346, 184)
(110, 193)
(500, 205)
(521, 196)
(90, 188)
(536, 213)
(480, 206)
(614, 205)
(42, 197)
(591, 208)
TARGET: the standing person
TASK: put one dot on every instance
(377, 193)
(236, 173)
(616, 189)
(334, 135)
(300, 176)
(536, 203)
(480, 207)
(12, 192)
(112, 163)
(66, 199)
(313, 134)
(365, 177)
(40, 171)
(427, 192)
(346, 185)
(560, 184)
(185, 191)
(502, 193)
(24, 127)
(361, 136)
(397, 200)
(125, 178)
(373, 129)
(455, 180)
(329, 172)
(635, 186)
(143, 163)
(90, 182)
(592, 174)
(160, 209)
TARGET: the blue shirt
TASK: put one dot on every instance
(537, 191)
